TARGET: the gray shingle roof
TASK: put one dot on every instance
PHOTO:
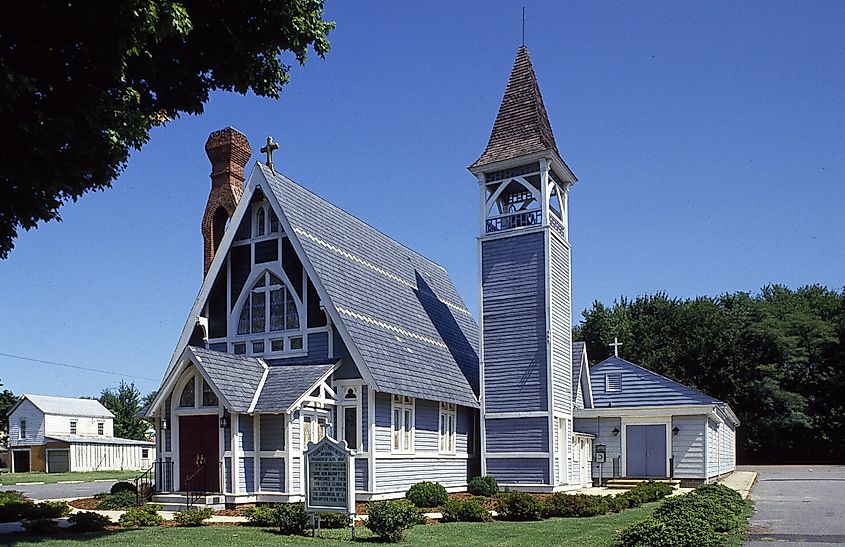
(69, 406)
(287, 383)
(522, 126)
(236, 377)
(577, 357)
(80, 439)
(401, 309)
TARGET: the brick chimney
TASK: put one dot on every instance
(229, 151)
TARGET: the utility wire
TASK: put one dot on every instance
(77, 367)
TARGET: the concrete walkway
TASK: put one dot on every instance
(741, 481)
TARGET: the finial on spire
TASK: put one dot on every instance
(523, 26)
(615, 345)
(268, 150)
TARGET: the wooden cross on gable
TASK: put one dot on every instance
(615, 345)
(268, 150)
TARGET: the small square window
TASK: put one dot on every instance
(258, 346)
(145, 453)
(277, 345)
(296, 342)
(240, 348)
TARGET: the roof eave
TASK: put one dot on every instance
(555, 161)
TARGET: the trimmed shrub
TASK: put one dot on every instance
(49, 510)
(292, 518)
(390, 519)
(123, 486)
(574, 505)
(651, 491)
(262, 515)
(652, 532)
(145, 515)
(427, 494)
(518, 506)
(121, 500)
(483, 486)
(40, 525)
(333, 520)
(716, 513)
(468, 510)
(616, 503)
(88, 521)
(13, 506)
(193, 516)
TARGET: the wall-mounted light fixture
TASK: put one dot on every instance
(615, 431)
(164, 424)
(675, 430)
(225, 420)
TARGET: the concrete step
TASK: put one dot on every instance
(178, 502)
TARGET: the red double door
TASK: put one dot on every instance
(199, 453)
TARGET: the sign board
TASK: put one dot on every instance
(329, 477)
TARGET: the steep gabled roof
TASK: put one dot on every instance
(66, 406)
(401, 311)
(522, 126)
(578, 349)
(285, 384)
(236, 377)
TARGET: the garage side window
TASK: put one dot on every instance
(73, 427)
(23, 429)
(101, 428)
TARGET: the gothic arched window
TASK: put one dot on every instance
(259, 221)
(188, 396)
(268, 307)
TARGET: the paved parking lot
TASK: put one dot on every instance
(60, 491)
(798, 505)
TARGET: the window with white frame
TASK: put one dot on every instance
(101, 428)
(447, 428)
(270, 307)
(260, 218)
(22, 430)
(314, 427)
(348, 416)
(73, 427)
(403, 423)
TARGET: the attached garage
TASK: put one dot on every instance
(58, 460)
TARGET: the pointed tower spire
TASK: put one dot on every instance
(522, 126)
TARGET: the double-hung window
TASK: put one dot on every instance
(22, 432)
(101, 428)
(403, 423)
(73, 427)
(447, 428)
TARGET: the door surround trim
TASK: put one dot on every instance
(644, 420)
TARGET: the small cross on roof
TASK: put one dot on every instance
(615, 345)
(268, 150)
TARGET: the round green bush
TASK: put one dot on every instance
(88, 521)
(391, 519)
(262, 515)
(468, 510)
(145, 515)
(121, 500)
(483, 486)
(653, 532)
(427, 494)
(193, 516)
(708, 511)
(123, 486)
(292, 518)
(49, 510)
(14, 505)
(518, 506)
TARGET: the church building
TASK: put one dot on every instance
(312, 323)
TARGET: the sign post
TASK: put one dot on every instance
(330, 479)
(601, 455)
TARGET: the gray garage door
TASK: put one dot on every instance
(646, 450)
(58, 461)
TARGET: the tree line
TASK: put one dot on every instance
(777, 357)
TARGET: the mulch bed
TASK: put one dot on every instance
(239, 511)
(86, 504)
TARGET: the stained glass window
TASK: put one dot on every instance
(281, 313)
(274, 222)
(208, 396)
(259, 221)
(187, 398)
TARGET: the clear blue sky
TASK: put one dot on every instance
(709, 139)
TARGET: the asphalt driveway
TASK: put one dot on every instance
(61, 490)
(797, 505)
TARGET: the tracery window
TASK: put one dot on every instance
(281, 313)
(188, 397)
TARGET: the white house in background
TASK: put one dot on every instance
(60, 434)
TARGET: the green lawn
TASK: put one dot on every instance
(595, 531)
(12, 478)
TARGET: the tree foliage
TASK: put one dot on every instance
(7, 401)
(83, 83)
(125, 403)
(777, 357)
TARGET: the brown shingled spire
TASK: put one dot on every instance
(522, 125)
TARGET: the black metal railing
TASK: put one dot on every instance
(192, 493)
(514, 220)
(157, 478)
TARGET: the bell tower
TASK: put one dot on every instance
(526, 317)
